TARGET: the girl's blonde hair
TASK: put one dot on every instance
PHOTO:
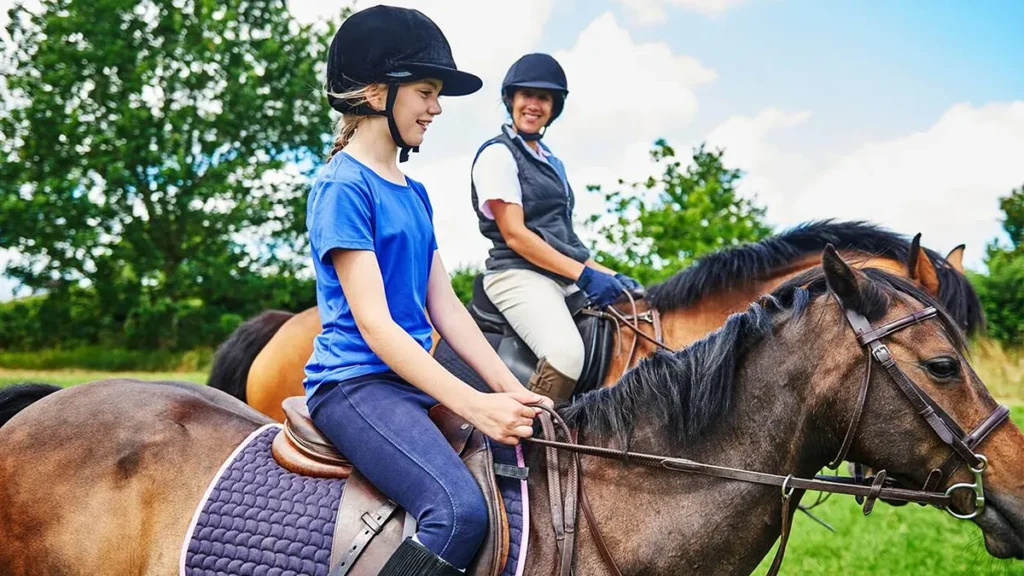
(347, 125)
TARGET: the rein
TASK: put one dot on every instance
(961, 444)
(632, 322)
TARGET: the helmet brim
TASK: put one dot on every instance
(539, 84)
(454, 82)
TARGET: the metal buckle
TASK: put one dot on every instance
(977, 487)
(372, 522)
(881, 353)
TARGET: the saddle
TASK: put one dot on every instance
(596, 329)
(369, 526)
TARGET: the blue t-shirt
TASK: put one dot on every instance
(352, 207)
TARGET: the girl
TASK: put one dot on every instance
(371, 380)
(524, 204)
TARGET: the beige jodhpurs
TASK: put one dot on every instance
(534, 306)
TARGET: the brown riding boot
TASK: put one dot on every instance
(550, 382)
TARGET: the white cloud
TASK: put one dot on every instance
(770, 171)
(943, 181)
(653, 11)
(621, 92)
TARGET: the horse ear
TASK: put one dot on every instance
(921, 269)
(955, 258)
(841, 279)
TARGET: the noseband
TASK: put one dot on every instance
(871, 489)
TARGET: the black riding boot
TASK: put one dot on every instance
(412, 559)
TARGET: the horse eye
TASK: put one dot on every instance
(943, 368)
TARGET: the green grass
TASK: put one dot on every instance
(107, 359)
(72, 377)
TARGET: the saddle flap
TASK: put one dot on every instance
(370, 528)
(456, 430)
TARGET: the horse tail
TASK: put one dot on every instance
(231, 363)
(17, 397)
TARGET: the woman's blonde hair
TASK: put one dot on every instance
(347, 125)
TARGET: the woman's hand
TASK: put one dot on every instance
(503, 416)
(632, 284)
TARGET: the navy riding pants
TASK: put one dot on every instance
(380, 423)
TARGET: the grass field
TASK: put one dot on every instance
(909, 540)
(72, 377)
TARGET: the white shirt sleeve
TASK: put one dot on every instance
(496, 177)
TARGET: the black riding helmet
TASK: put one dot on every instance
(394, 46)
(536, 71)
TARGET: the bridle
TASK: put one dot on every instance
(564, 512)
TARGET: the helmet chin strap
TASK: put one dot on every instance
(532, 136)
(389, 113)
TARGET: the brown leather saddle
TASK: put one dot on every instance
(369, 527)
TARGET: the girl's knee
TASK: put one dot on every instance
(471, 517)
(458, 530)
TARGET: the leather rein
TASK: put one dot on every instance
(632, 322)
(564, 511)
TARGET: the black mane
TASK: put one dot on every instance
(743, 265)
(683, 393)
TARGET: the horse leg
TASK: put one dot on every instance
(104, 478)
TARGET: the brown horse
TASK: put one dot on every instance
(262, 362)
(104, 478)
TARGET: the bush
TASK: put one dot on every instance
(1002, 296)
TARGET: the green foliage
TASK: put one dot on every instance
(662, 224)
(1002, 289)
(142, 148)
(1013, 221)
(462, 282)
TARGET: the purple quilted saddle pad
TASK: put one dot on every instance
(259, 519)
(262, 520)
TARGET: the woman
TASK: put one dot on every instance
(371, 380)
(524, 203)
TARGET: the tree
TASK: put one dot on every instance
(1002, 289)
(1013, 217)
(661, 224)
(144, 145)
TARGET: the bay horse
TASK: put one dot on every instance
(263, 361)
(103, 478)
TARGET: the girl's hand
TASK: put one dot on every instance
(502, 416)
(526, 397)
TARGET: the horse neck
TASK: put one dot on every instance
(662, 522)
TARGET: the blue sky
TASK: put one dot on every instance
(909, 114)
(868, 69)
